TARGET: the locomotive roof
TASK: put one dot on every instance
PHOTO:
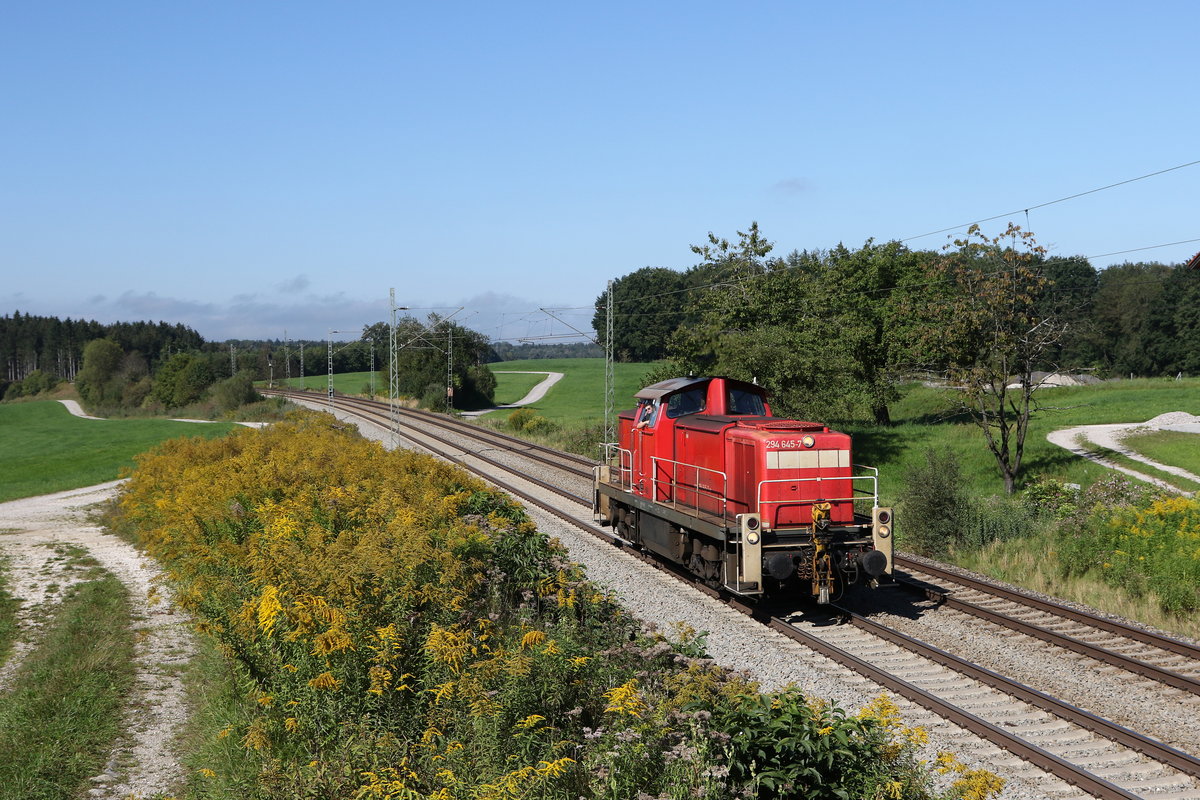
(656, 391)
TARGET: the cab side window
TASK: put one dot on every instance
(741, 402)
(647, 413)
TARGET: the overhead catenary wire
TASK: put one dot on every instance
(1027, 209)
(1024, 210)
(530, 315)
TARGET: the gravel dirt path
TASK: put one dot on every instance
(535, 394)
(1111, 437)
(33, 533)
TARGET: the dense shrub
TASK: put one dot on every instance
(934, 504)
(1048, 497)
(939, 515)
(434, 397)
(405, 632)
(233, 393)
(1138, 540)
(526, 420)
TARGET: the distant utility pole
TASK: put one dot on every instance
(330, 396)
(302, 366)
(232, 361)
(393, 370)
(287, 359)
(609, 382)
(449, 369)
(372, 368)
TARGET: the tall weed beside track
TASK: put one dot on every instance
(1149, 548)
(404, 632)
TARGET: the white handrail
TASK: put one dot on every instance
(856, 495)
(720, 495)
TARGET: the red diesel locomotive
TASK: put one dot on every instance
(705, 477)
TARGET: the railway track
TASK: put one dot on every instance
(1102, 759)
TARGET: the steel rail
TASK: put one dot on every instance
(1123, 736)
(1043, 759)
(1051, 607)
(1102, 654)
(378, 418)
(549, 455)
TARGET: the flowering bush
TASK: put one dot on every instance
(1151, 546)
(405, 632)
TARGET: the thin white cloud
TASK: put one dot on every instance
(792, 186)
(294, 285)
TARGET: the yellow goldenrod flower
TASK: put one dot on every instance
(625, 699)
(325, 681)
(268, 609)
(532, 639)
(334, 640)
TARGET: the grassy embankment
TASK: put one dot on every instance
(46, 449)
(352, 383)
(1169, 447)
(8, 613)
(63, 710)
(577, 400)
(1076, 558)
(922, 420)
(571, 415)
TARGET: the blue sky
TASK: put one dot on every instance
(249, 168)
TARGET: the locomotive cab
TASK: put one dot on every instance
(704, 475)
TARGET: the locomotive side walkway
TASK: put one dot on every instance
(1111, 437)
(535, 394)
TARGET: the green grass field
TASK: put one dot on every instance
(578, 399)
(44, 449)
(921, 422)
(921, 418)
(511, 387)
(1168, 447)
(62, 712)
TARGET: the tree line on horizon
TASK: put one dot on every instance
(156, 367)
(856, 317)
(833, 334)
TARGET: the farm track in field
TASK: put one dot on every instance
(949, 645)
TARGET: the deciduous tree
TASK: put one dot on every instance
(986, 324)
